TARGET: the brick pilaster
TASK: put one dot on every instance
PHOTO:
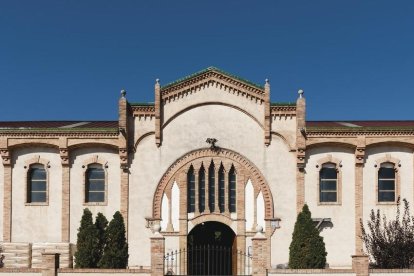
(259, 262)
(158, 113)
(64, 156)
(7, 196)
(360, 265)
(300, 150)
(50, 263)
(267, 117)
(359, 193)
(157, 254)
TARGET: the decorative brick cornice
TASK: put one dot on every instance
(346, 132)
(211, 78)
(45, 133)
(254, 174)
(143, 110)
(283, 110)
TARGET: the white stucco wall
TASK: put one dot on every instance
(233, 129)
(340, 238)
(214, 93)
(405, 155)
(1, 199)
(280, 173)
(45, 219)
(79, 157)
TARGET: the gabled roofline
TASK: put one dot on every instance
(210, 69)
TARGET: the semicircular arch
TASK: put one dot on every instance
(211, 103)
(253, 173)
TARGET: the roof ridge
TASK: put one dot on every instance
(208, 69)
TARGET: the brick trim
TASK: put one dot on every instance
(253, 172)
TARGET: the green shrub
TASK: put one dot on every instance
(115, 253)
(390, 244)
(100, 223)
(307, 249)
(87, 243)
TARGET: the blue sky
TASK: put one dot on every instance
(68, 60)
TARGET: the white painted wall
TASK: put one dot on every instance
(405, 155)
(280, 173)
(213, 93)
(1, 199)
(77, 205)
(45, 219)
(340, 239)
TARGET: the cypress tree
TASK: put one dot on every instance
(87, 242)
(100, 223)
(307, 249)
(115, 253)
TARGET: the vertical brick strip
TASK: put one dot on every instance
(267, 117)
(259, 261)
(300, 150)
(360, 265)
(158, 112)
(50, 263)
(125, 196)
(359, 193)
(157, 254)
(182, 180)
(65, 203)
(7, 202)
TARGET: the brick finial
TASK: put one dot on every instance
(300, 149)
(267, 117)
(158, 107)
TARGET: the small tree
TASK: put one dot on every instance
(100, 223)
(390, 244)
(87, 243)
(115, 253)
(307, 249)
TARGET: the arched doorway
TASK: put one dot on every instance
(211, 248)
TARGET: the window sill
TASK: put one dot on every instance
(95, 204)
(387, 203)
(37, 204)
(329, 203)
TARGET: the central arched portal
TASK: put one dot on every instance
(211, 248)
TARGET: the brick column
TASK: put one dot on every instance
(359, 197)
(50, 263)
(157, 252)
(64, 156)
(267, 117)
(125, 196)
(360, 265)
(7, 196)
(301, 150)
(259, 262)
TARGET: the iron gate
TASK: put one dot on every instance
(207, 260)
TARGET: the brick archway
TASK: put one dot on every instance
(241, 163)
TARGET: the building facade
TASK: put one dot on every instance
(211, 162)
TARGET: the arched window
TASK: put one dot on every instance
(202, 189)
(95, 183)
(221, 190)
(232, 190)
(386, 182)
(328, 183)
(211, 187)
(36, 184)
(190, 190)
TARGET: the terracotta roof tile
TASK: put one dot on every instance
(58, 124)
